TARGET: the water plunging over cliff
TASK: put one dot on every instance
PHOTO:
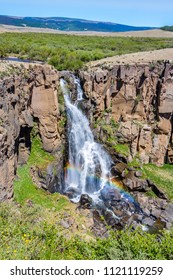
(89, 164)
(87, 176)
(88, 169)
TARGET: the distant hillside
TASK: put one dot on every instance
(167, 28)
(68, 24)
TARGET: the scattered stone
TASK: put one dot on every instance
(112, 220)
(148, 221)
(119, 168)
(146, 211)
(163, 204)
(37, 178)
(135, 184)
(83, 227)
(155, 212)
(29, 203)
(66, 214)
(169, 210)
(118, 212)
(65, 224)
(138, 173)
(142, 200)
(110, 194)
(167, 214)
(137, 217)
(70, 221)
(156, 190)
(85, 201)
(159, 224)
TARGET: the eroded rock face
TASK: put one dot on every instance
(26, 97)
(140, 99)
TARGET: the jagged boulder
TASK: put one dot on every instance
(85, 201)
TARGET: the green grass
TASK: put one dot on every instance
(161, 176)
(30, 233)
(24, 188)
(135, 162)
(38, 155)
(30, 226)
(72, 52)
(122, 149)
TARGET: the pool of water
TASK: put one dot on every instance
(16, 59)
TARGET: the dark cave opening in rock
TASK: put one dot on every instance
(24, 145)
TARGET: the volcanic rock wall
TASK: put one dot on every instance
(28, 94)
(140, 99)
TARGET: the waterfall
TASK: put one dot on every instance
(87, 175)
(79, 89)
(88, 169)
(89, 165)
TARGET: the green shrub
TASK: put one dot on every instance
(161, 176)
(72, 52)
(122, 149)
(29, 233)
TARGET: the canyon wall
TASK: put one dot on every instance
(28, 97)
(139, 98)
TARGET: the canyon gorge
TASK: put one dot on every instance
(129, 108)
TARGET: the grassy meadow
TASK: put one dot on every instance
(71, 51)
(34, 233)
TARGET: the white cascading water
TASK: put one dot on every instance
(79, 89)
(89, 164)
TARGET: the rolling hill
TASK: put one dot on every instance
(68, 24)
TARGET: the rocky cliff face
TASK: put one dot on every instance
(28, 96)
(139, 98)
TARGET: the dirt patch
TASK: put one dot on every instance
(6, 66)
(135, 58)
(157, 33)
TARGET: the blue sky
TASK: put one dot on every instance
(131, 12)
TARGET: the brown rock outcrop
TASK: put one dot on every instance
(28, 94)
(140, 99)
